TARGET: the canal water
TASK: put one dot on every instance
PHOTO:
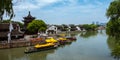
(88, 46)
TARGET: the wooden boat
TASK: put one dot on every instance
(71, 38)
(51, 40)
(40, 47)
(63, 40)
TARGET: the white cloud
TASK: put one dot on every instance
(98, 2)
(72, 11)
(42, 3)
(23, 5)
(46, 1)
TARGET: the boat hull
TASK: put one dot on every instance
(71, 38)
(33, 49)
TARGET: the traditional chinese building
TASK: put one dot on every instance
(51, 30)
(27, 20)
(4, 30)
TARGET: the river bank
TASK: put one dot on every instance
(28, 40)
(91, 46)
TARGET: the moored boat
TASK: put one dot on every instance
(71, 38)
(51, 40)
(40, 47)
(63, 40)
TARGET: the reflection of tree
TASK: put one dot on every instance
(11, 54)
(101, 31)
(88, 34)
(72, 33)
(18, 54)
(114, 45)
(40, 55)
(116, 52)
(68, 44)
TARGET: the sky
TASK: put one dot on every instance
(63, 11)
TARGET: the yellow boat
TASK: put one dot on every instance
(44, 45)
(41, 47)
(62, 38)
(51, 40)
(63, 35)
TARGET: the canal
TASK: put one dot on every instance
(88, 46)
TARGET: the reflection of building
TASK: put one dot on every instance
(78, 28)
(27, 20)
(51, 30)
(69, 28)
(4, 29)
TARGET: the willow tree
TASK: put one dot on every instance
(113, 26)
(6, 7)
(113, 13)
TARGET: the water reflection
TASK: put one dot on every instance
(114, 45)
(40, 55)
(92, 48)
(84, 34)
(17, 54)
(11, 54)
(72, 33)
(88, 34)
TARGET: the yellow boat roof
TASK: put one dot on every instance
(50, 39)
(43, 45)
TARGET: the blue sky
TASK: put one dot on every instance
(63, 11)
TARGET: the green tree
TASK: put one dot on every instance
(64, 27)
(89, 27)
(60, 27)
(36, 25)
(42, 29)
(93, 26)
(113, 13)
(113, 26)
(73, 27)
(6, 6)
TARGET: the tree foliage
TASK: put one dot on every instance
(6, 6)
(64, 26)
(113, 26)
(42, 29)
(114, 10)
(36, 25)
(113, 13)
(89, 27)
(88, 34)
(73, 27)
